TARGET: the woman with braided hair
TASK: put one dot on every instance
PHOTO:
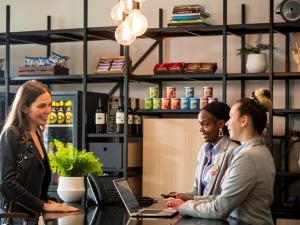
(247, 186)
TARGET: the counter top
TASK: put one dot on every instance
(117, 215)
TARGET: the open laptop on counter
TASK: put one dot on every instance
(133, 207)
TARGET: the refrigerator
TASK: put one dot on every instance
(71, 132)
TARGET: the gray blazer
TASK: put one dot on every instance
(247, 188)
(223, 159)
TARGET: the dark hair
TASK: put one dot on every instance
(256, 108)
(25, 96)
(220, 111)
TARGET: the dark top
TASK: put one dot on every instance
(24, 175)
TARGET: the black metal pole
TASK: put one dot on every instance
(243, 57)
(160, 47)
(224, 72)
(48, 35)
(271, 42)
(126, 95)
(7, 61)
(84, 72)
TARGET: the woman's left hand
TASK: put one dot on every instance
(173, 202)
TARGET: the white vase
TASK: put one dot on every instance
(257, 63)
(71, 189)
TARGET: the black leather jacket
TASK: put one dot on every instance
(24, 176)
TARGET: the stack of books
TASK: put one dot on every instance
(188, 15)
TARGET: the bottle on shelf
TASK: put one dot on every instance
(100, 118)
(53, 113)
(137, 119)
(68, 112)
(60, 113)
(120, 117)
(130, 119)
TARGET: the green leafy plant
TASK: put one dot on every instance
(68, 161)
(250, 49)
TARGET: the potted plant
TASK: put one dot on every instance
(72, 165)
(256, 59)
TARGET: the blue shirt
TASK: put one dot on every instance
(210, 159)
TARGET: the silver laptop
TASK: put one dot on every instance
(132, 205)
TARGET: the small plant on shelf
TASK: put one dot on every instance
(257, 49)
(68, 161)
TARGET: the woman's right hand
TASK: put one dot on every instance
(58, 207)
(184, 196)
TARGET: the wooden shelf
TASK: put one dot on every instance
(176, 77)
(287, 174)
(53, 79)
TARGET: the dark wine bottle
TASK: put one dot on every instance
(131, 129)
(120, 118)
(137, 119)
(100, 118)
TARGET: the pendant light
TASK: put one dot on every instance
(137, 20)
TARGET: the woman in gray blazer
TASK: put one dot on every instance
(247, 186)
(215, 155)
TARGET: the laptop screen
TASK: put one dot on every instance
(127, 195)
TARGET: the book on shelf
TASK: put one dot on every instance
(186, 21)
(189, 17)
(188, 8)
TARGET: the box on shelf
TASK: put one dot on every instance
(43, 70)
(200, 68)
(168, 68)
(110, 65)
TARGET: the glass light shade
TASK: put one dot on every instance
(128, 5)
(137, 22)
(124, 34)
(117, 12)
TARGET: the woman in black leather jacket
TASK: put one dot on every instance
(24, 167)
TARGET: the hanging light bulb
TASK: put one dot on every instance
(137, 22)
(117, 12)
(128, 6)
(140, 0)
(124, 34)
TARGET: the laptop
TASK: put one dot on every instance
(132, 205)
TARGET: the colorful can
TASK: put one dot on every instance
(189, 92)
(148, 103)
(156, 103)
(212, 100)
(194, 103)
(207, 92)
(184, 103)
(203, 102)
(153, 92)
(165, 103)
(175, 103)
(170, 92)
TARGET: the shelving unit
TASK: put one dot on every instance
(86, 34)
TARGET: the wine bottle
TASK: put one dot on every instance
(100, 118)
(137, 119)
(130, 119)
(120, 118)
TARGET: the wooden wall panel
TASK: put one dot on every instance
(170, 147)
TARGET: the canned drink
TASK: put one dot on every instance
(153, 92)
(175, 103)
(189, 92)
(148, 103)
(207, 92)
(156, 103)
(165, 103)
(170, 92)
(212, 100)
(184, 103)
(194, 103)
(203, 102)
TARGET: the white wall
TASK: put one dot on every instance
(31, 15)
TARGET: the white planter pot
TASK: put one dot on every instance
(256, 63)
(71, 189)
